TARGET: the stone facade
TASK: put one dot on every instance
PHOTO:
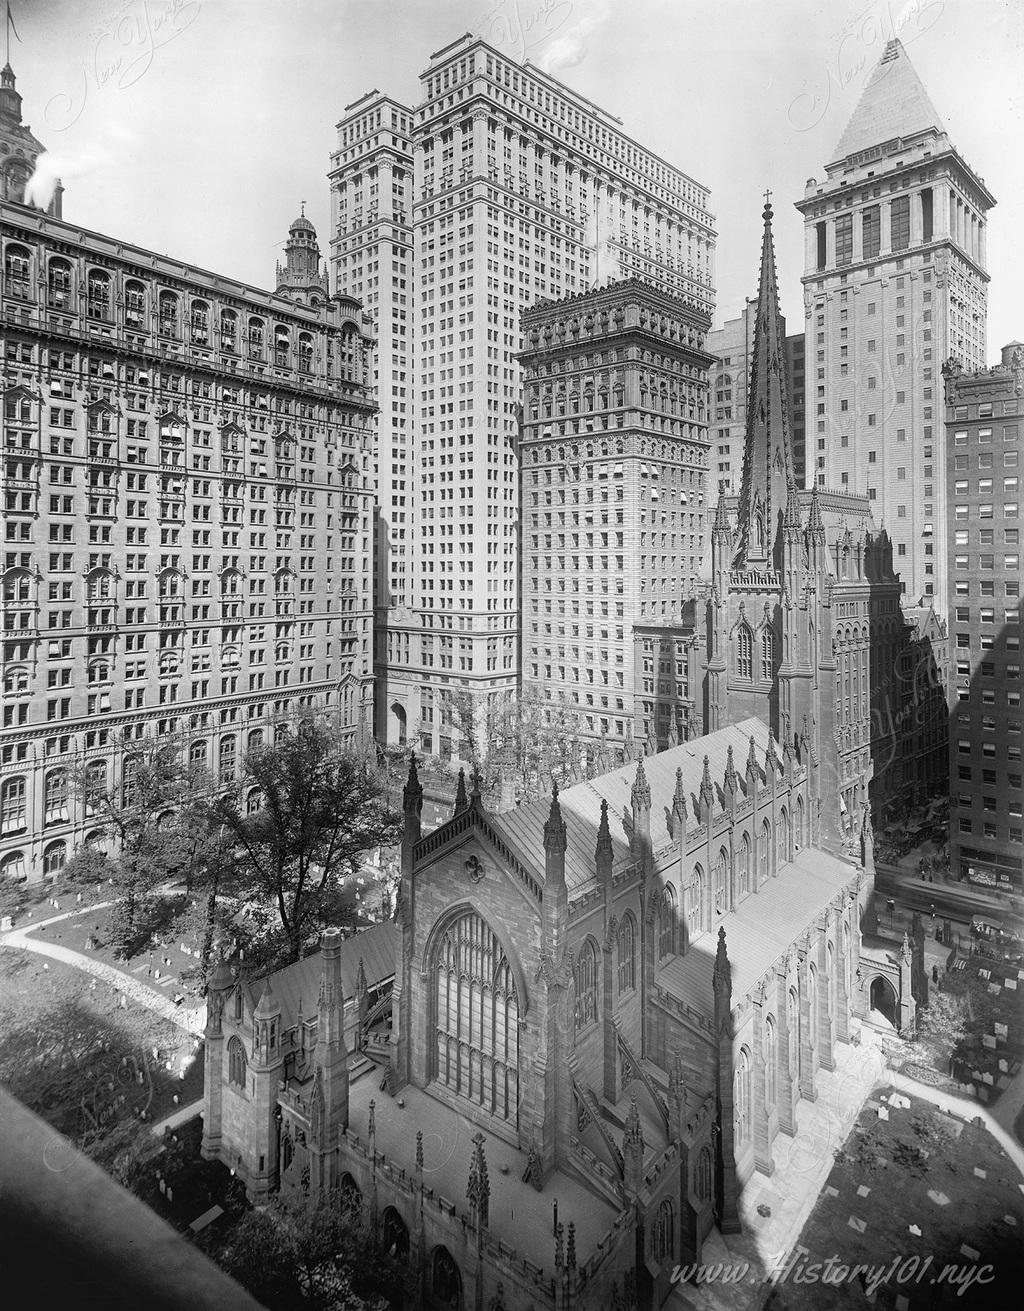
(187, 498)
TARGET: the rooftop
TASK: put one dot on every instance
(523, 827)
(893, 104)
(760, 929)
(298, 986)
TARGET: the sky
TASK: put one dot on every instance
(196, 127)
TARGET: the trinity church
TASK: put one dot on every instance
(594, 1014)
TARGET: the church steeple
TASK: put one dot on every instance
(768, 445)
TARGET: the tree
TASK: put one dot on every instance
(942, 1026)
(534, 739)
(310, 1251)
(149, 819)
(320, 809)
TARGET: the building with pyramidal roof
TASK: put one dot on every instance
(895, 283)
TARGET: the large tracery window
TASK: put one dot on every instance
(477, 1023)
(744, 652)
(663, 1234)
(627, 954)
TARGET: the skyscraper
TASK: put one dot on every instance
(186, 494)
(894, 283)
(371, 255)
(983, 445)
(522, 188)
(613, 467)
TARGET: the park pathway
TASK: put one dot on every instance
(190, 1018)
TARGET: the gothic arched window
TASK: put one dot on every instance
(703, 1180)
(477, 1017)
(236, 1062)
(745, 870)
(663, 1235)
(767, 655)
(813, 1009)
(13, 806)
(586, 987)
(695, 904)
(764, 863)
(721, 881)
(744, 652)
(793, 1024)
(54, 858)
(55, 791)
(667, 922)
(627, 954)
(771, 1057)
(742, 1096)
(782, 838)
(445, 1279)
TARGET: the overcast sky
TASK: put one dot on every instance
(195, 127)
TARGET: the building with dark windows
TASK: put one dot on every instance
(616, 998)
(613, 469)
(186, 484)
(895, 283)
(984, 421)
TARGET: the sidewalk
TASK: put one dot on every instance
(178, 1117)
(965, 1108)
(802, 1166)
(191, 1019)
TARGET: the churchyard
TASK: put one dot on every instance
(929, 1206)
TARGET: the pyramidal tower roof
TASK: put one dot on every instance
(893, 104)
(767, 448)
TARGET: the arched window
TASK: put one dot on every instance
(18, 586)
(798, 832)
(745, 869)
(703, 1172)
(782, 838)
(667, 922)
(394, 1234)
(742, 1096)
(134, 304)
(767, 655)
(168, 314)
(254, 801)
(282, 344)
(95, 785)
(54, 857)
(721, 882)
(477, 1017)
(17, 270)
(744, 652)
(55, 794)
(627, 954)
(305, 352)
(228, 330)
(663, 1235)
(255, 739)
(695, 904)
(585, 976)
(227, 758)
(771, 1058)
(813, 1010)
(13, 806)
(765, 862)
(197, 755)
(793, 1025)
(58, 284)
(200, 323)
(445, 1279)
(236, 1062)
(15, 680)
(97, 304)
(12, 866)
(831, 983)
(256, 338)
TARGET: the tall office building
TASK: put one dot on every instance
(521, 189)
(732, 347)
(983, 458)
(186, 493)
(613, 466)
(371, 254)
(894, 284)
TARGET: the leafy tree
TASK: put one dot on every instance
(15, 895)
(942, 1026)
(534, 739)
(148, 816)
(310, 1251)
(320, 808)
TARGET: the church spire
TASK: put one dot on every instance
(768, 445)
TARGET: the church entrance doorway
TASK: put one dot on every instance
(883, 1001)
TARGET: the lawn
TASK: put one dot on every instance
(87, 931)
(85, 1064)
(908, 1197)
